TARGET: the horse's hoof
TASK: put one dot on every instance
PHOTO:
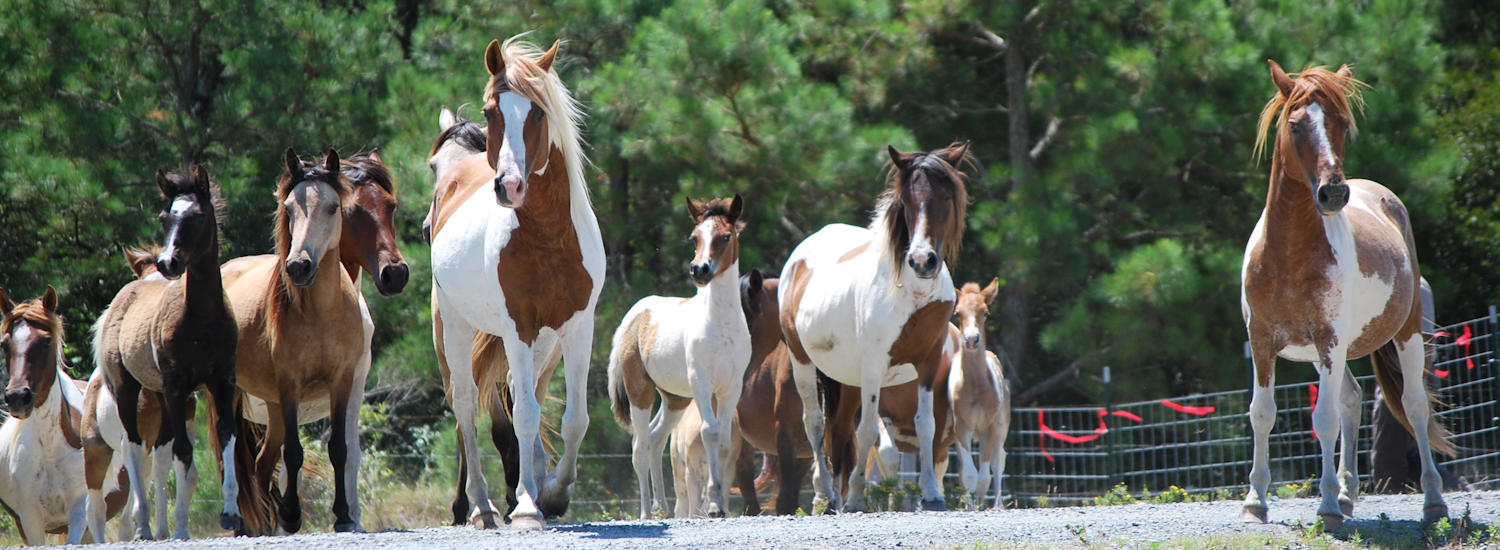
(551, 508)
(934, 505)
(180, 535)
(232, 522)
(1332, 522)
(1434, 512)
(1253, 513)
(526, 522)
(291, 515)
(485, 520)
(347, 527)
(1346, 507)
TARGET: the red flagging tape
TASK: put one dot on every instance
(1312, 394)
(1463, 341)
(1127, 414)
(1188, 409)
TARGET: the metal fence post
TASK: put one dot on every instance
(1109, 433)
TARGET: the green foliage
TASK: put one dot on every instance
(1117, 495)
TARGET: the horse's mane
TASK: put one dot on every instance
(1338, 94)
(719, 207)
(283, 293)
(469, 135)
(524, 76)
(889, 222)
(366, 167)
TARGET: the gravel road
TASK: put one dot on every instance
(1042, 527)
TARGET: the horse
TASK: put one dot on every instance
(522, 258)
(1330, 274)
(303, 334)
(367, 243)
(686, 348)
(41, 452)
(979, 396)
(172, 335)
(868, 307)
(104, 436)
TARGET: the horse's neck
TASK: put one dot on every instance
(551, 202)
(351, 268)
(974, 363)
(1292, 221)
(722, 294)
(204, 282)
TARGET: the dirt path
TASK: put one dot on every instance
(1042, 527)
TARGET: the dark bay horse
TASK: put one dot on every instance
(172, 336)
(869, 308)
(1330, 274)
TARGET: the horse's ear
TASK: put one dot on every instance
(545, 62)
(332, 162)
(162, 184)
(736, 207)
(990, 290)
(49, 299)
(695, 209)
(955, 154)
(375, 156)
(1345, 73)
(293, 162)
(446, 119)
(757, 282)
(200, 177)
(5, 304)
(897, 157)
(492, 60)
(1283, 82)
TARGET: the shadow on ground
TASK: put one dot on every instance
(615, 530)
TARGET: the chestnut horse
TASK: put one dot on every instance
(869, 307)
(367, 242)
(1330, 274)
(979, 396)
(686, 348)
(171, 336)
(41, 453)
(303, 334)
(517, 253)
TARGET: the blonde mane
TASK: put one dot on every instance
(1341, 96)
(525, 76)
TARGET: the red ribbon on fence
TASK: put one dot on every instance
(1127, 414)
(1463, 341)
(1188, 409)
(1312, 395)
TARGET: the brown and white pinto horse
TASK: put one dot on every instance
(686, 348)
(869, 307)
(1330, 274)
(517, 253)
(40, 451)
(303, 335)
(171, 336)
(367, 242)
(979, 396)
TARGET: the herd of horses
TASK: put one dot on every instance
(847, 357)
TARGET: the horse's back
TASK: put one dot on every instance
(661, 342)
(127, 330)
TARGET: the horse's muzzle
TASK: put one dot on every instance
(924, 262)
(510, 191)
(1331, 197)
(392, 279)
(701, 273)
(170, 266)
(301, 272)
(19, 402)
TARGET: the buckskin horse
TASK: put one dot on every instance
(1330, 274)
(517, 253)
(869, 308)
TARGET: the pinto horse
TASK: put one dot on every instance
(517, 254)
(367, 243)
(686, 348)
(868, 307)
(170, 336)
(41, 453)
(1330, 274)
(979, 396)
(304, 335)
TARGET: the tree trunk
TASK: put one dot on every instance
(1015, 303)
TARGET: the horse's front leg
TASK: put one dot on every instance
(1349, 417)
(1262, 419)
(526, 414)
(865, 434)
(1326, 421)
(926, 423)
(805, 377)
(290, 509)
(710, 432)
(457, 343)
(972, 480)
(127, 397)
(343, 441)
(575, 421)
(223, 391)
(1418, 407)
(174, 426)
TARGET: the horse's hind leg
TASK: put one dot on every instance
(457, 337)
(1349, 416)
(1419, 413)
(640, 453)
(460, 505)
(805, 376)
(127, 394)
(503, 434)
(744, 477)
(1331, 377)
(290, 508)
(223, 391)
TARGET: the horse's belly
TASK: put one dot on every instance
(308, 410)
(666, 365)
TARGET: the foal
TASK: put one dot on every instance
(979, 396)
(40, 452)
(697, 347)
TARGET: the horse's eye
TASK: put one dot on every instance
(1297, 128)
(331, 210)
(722, 239)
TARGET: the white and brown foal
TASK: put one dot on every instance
(979, 396)
(869, 308)
(686, 348)
(1330, 274)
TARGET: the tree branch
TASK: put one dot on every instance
(1046, 141)
(989, 38)
(1032, 393)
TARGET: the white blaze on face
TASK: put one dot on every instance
(177, 210)
(703, 251)
(512, 154)
(970, 328)
(1320, 133)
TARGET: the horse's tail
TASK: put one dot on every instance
(142, 259)
(1387, 365)
(256, 499)
(619, 397)
(491, 370)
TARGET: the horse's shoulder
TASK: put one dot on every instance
(457, 186)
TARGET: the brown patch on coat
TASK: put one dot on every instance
(639, 338)
(921, 340)
(854, 252)
(541, 269)
(800, 275)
